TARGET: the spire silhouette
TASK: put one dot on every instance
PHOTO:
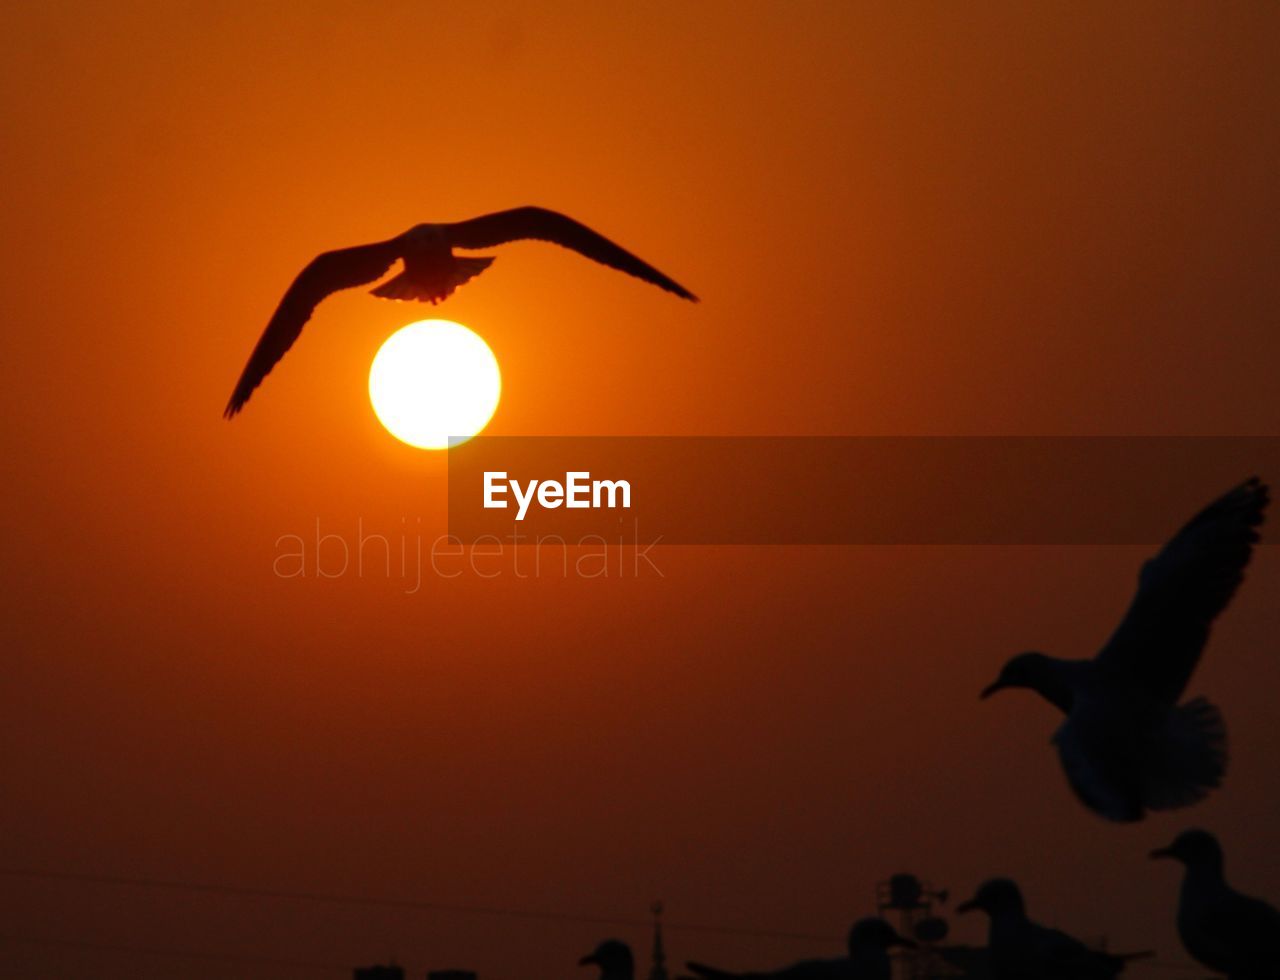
(658, 962)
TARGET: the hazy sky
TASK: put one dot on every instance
(914, 219)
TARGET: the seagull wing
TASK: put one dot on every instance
(1182, 590)
(550, 226)
(325, 274)
(1053, 945)
(1064, 957)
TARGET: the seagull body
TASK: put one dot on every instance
(1228, 932)
(431, 273)
(614, 958)
(1020, 949)
(869, 943)
(1127, 745)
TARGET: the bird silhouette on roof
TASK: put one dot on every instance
(1228, 932)
(1126, 745)
(431, 273)
(1020, 949)
(869, 943)
(614, 959)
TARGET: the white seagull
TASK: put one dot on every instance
(1020, 949)
(869, 943)
(1126, 745)
(1228, 932)
(614, 958)
(431, 273)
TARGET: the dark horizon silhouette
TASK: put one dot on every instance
(1218, 926)
(867, 958)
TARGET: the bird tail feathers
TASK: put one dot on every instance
(402, 287)
(412, 285)
(1191, 758)
(469, 267)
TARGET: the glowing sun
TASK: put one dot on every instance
(434, 384)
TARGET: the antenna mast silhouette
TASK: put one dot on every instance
(658, 966)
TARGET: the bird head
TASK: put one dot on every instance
(1031, 670)
(995, 897)
(1194, 846)
(874, 933)
(613, 956)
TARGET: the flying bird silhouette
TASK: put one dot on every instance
(869, 943)
(614, 958)
(431, 273)
(1126, 745)
(1020, 949)
(1228, 932)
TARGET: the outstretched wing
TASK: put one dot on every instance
(325, 274)
(551, 226)
(1183, 589)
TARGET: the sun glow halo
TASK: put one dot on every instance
(434, 383)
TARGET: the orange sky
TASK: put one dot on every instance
(907, 220)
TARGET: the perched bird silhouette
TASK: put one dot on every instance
(1019, 949)
(1126, 745)
(614, 958)
(869, 943)
(431, 273)
(1226, 931)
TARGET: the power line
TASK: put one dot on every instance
(331, 898)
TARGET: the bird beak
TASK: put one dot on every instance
(968, 906)
(588, 960)
(991, 689)
(1161, 852)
